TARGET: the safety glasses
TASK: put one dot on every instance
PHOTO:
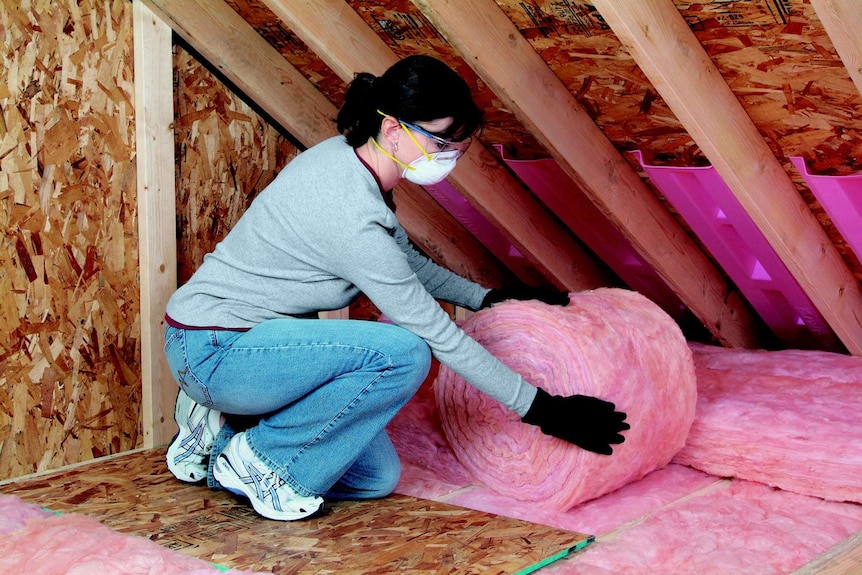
(436, 143)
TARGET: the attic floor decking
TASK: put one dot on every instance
(843, 559)
(135, 494)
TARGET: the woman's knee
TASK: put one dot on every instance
(384, 483)
(374, 475)
(403, 348)
(420, 355)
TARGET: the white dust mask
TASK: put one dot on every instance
(432, 168)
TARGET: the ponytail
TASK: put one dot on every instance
(418, 88)
(358, 119)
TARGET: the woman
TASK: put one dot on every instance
(241, 339)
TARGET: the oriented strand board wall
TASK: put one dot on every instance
(69, 350)
(226, 154)
(69, 315)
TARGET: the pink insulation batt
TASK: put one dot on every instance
(789, 419)
(15, 513)
(38, 542)
(734, 527)
(609, 343)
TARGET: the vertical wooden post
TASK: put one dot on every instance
(157, 248)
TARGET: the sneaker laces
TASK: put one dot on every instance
(266, 484)
(194, 443)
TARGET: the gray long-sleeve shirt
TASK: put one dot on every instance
(315, 238)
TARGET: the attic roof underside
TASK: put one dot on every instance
(738, 85)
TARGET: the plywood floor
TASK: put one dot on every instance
(135, 494)
(843, 559)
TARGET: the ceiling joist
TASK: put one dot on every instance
(842, 20)
(232, 46)
(493, 46)
(347, 45)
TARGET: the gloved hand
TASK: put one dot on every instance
(547, 295)
(588, 422)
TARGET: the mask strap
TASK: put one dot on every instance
(415, 141)
(428, 156)
(391, 157)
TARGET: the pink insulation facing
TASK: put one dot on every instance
(841, 197)
(788, 419)
(48, 544)
(710, 208)
(609, 343)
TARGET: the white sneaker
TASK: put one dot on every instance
(239, 470)
(188, 454)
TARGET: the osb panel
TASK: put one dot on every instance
(406, 30)
(69, 317)
(226, 154)
(780, 63)
(774, 55)
(294, 50)
(135, 494)
(584, 53)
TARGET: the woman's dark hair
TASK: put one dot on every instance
(416, 89)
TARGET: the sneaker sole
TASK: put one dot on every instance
(233, 484)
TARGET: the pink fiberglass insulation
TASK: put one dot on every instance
(609, 343)
(79, 545)
(788, 419)
(598, 516)
(737, 527)
(418, 437)
(14, 513)
(430, 470)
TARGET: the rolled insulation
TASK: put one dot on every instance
(609, 343)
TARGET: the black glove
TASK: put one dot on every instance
(547, 295)
(588, 422)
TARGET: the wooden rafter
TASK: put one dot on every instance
(842, 20)
(668, 52)
(156, 215)
(342, 39)
(493, 46)
(230, 44)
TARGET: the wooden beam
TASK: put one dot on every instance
(341, 38)
(494, 47)
(157, 244)
(670, 55)
(230, 44)
(842, 20)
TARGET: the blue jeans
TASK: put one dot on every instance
(321, 391)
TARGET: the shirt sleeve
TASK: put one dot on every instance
(375, 262)
(440, 282)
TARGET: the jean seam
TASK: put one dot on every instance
(170, 339)
(182, 379)
(281, 470)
